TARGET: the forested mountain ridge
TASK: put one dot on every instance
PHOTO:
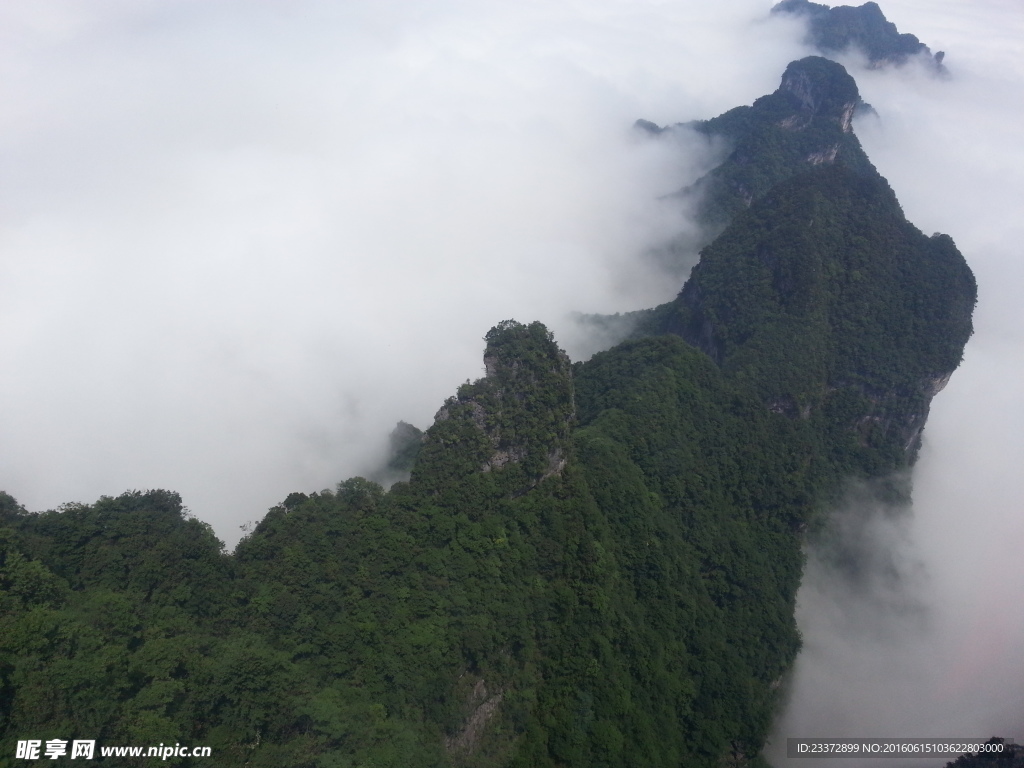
(591, 563)
(835, 29)
(816, 291)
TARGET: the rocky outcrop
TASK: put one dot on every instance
(824, 156)
(822, 90)
(518, 416)
(483, 706)
(807, 121)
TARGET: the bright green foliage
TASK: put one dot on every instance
(592, 591)
(706, 538)
(160, 556)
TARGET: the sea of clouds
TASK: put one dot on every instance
(240, 241)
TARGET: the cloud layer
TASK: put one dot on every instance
(241, 240)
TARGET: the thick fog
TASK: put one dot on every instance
(239, 241)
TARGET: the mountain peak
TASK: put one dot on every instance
(806, 121)
(834, 29)
(822, 88)
(519, 415)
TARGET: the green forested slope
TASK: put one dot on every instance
(589, 602)
(834, 308)
(806, 122)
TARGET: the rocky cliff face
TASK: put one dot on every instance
(807, 121)
(821, 92)
(519, 415)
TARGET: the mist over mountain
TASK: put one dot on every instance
(805, 122)
(587, 563)
(836, 29)
(590, 564)
(311, 214)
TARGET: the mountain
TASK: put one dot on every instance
(814, 297)
(590, 564)
(807, 121)
(833, 30)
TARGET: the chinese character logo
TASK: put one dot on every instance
(82, 749)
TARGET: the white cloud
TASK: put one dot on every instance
(243, 239)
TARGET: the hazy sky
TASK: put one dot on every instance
(240, 240)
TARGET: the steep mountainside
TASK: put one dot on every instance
(591, 564)
(834, 308)
(806, 122)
